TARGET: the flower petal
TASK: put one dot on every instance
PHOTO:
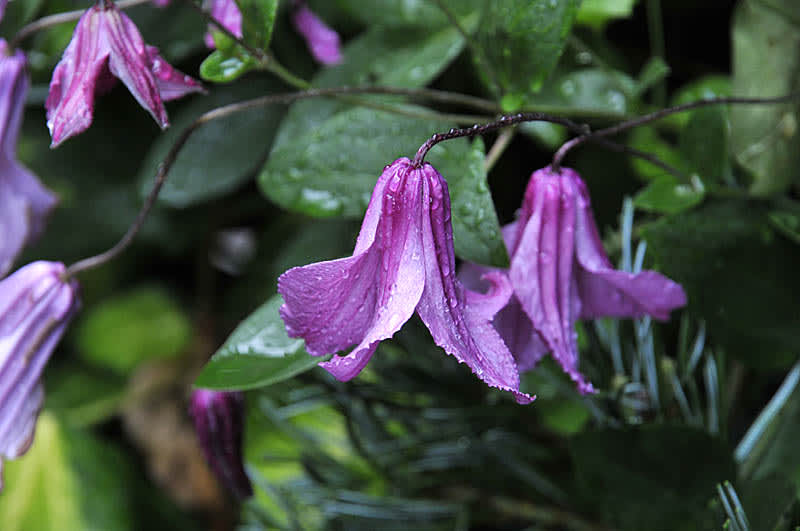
(322, 41)
(460, 320)
(70, 102)
(227, 13)
(172, 83)
(365, 298)
(542, 268)
(605, 291)
(128, 61)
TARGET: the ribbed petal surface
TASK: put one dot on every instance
(35, 307)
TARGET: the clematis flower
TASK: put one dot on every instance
(219, 424)
(107, 44)
(322, 41)
(24, 202)
(403, 262)
(36, 305)
(560, 273)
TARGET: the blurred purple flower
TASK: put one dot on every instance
(560, 273)
(322, 41)
(161, 3)
(227, 13)
(3, 4)
(403, 261)
(219, 422)
(25, 202)
(107, 44)
(36, 305)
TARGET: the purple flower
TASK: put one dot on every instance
(403, 261)
(227, 13)
(107, 44)
(36, 304)
(322, 41)
(25, 202)
(560, 273)
(219, 422)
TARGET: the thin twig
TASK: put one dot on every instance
(169, 159)
(503, 121)
(61, 18)
(653, 116)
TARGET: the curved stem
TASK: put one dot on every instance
(657, 115)
(503, 121)
(214, 114)
(60, 18)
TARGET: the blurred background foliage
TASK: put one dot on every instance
(696, 422)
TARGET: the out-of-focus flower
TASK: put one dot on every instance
(322, 41)
(24, 202)
(403, 261)
(3, 4)
(36, 304)
(227, 13)
(107, 44)
(560, 273)
(219, 422)
(161, 3)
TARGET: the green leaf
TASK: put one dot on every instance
(223, 67)
(476, 230)
(535, 30)
(220, 155)
(258, 19)
(128, 329)
(653, 72)
(257, 354)
(66, 481)
(406, 13)
(332, 168)
(739, 275)
(656, 477)
(766, 62)
(648, 139)
(597, 13)
(407, 58)
(665, 194)
(704, 143)
(703, 88)
(588, 90)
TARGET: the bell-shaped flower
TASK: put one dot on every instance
(24, 202)
(322, 41)
(105, 45)
(560, 273)
(219, 423)
(36, 304)
(403, 262)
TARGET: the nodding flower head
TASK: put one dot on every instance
(105, 45)
(36, 304)
(403, 262)
(560, 273)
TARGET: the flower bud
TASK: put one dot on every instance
(219, 422)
